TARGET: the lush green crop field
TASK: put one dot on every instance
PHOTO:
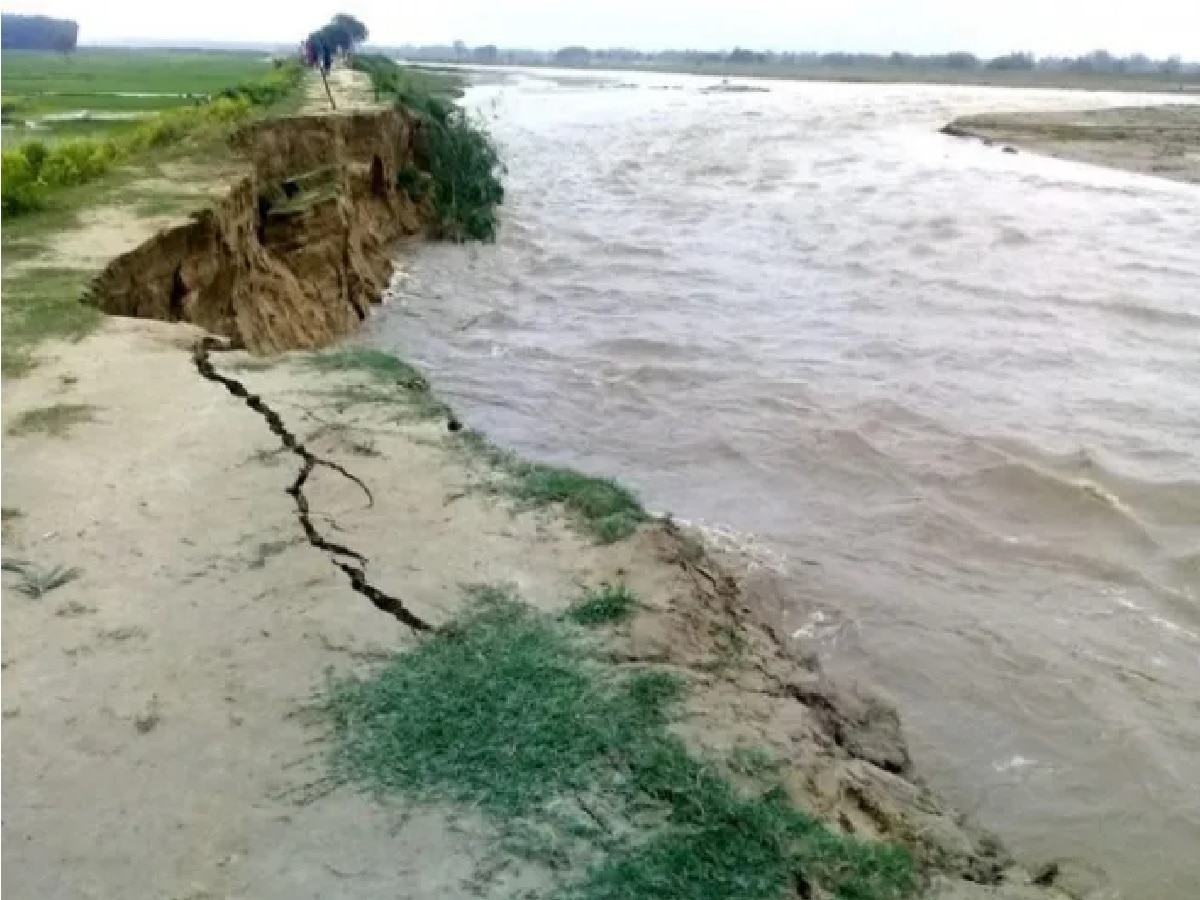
(105, 86)
(133, 71)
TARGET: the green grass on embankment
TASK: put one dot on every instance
(463, 178)
(513, 713)
(220, 90)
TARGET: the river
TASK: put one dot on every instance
(952, 393)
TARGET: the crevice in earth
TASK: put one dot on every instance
(350, 561)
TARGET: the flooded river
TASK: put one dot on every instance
(953, 393)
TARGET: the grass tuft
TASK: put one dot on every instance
(603, 605)
(507, 712)
(36, 581)
(607, 510)
(54, 421)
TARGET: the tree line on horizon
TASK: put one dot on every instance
(37, 33)
(1096, 62)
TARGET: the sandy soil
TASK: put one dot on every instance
(155, 739)
(1155, 140)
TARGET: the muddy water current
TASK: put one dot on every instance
(951, 394)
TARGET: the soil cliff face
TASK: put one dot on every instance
(297, 250)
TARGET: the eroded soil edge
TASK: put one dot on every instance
(297, 250)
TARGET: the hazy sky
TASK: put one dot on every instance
(1156, 27)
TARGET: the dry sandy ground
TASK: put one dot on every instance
(1152, 140)
(155, 736)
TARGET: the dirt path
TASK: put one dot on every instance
(1152, 140)
(350, 89)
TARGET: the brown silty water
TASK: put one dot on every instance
(952, 394)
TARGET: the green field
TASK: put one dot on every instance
(104, 91)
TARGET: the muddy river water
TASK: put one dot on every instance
(953, 394)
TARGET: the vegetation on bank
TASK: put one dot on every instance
(35, 170)
(463, 164)
(603, 508)
(512, 713)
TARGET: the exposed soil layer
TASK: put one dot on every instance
(297, 250)
(1151, 140)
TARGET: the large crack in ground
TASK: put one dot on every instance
(351, 562)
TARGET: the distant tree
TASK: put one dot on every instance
(342, 32)
(961, 60)
(1012, 62)
(38, 33)
(486, 54)
(460, 49)
(573, 55)
(738, 55)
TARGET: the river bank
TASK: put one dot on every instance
(202, 536)
(1153, 140)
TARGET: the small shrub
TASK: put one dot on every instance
(463, 163)
(21, 189)
(603, 605)
(36, 581)
(35, 154)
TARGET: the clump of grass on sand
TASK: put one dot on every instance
(605, 508)
(54, 421)
(37, 581)
(508, 712)
(603, 605)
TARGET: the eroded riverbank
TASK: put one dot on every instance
(160, 696)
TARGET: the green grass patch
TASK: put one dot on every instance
(603, 605)
(509, 712)
(602, 507)
(606, 509)
(40, 304)
(34, 170)
(462, 161)
(54, 421)
(39, 74)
